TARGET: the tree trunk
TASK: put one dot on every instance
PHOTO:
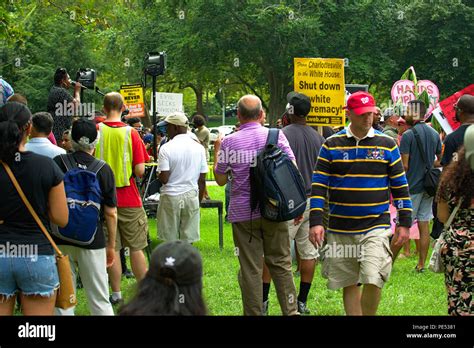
(199, 105)
(277, 98)
(199, 96)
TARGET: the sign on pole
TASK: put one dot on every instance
(133, 97)
(167, 103)
(322, 80)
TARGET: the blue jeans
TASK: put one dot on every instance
(30, 276)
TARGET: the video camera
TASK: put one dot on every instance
(155, 63)
(86, 77)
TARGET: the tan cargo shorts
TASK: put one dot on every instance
(132, 229)
(300, 233)
(357, 259)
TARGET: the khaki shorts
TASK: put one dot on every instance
(300, 233)
(357, 259)
(132, 229)
(178, 217)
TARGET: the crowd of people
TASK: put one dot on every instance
(365, 188)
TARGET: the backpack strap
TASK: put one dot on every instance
(420, 148)
(272, 138)
(95, 166)
(68, 161)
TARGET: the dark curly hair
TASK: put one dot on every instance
(199, 120)
(457, 180)
(157, 298)
(14, 119)
(159, 293)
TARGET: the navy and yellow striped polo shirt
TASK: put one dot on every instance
(357, 177)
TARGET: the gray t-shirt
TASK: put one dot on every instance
(431, 145)
(305, 143)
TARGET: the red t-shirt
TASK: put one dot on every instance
(128, 196)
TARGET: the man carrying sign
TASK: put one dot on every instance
(464, 108)
(357, 170)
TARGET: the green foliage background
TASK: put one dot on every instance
(240, 46)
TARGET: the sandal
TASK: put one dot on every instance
(420, 270)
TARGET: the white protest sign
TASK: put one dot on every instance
(167, 103)
(442, 120)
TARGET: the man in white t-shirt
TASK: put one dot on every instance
(183, 167)
(39, 143)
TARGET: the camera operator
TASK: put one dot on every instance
(60, 101)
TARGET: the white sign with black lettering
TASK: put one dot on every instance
(167, 103)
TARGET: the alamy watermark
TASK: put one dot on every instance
(79, 110)
(9, 250)
(334, 250)
(229, 156)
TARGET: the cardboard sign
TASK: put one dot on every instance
(447, 105)
(167, 103)
(133, 97)
(322, 80)
(403, 89)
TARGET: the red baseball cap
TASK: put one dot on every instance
(360, 103)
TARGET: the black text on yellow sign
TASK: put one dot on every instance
(133, 98)
(322, 80)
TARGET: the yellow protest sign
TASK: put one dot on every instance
(322, 80)
(133, 97)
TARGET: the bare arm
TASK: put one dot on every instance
(139, 170)
(443, 211)
(110, 214)
(202, 186)
(57, 205)
(77, 94)
(164, 177)
(405, 160)
(221, 179)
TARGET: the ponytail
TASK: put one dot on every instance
(13, 119)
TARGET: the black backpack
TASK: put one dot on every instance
(276, 184)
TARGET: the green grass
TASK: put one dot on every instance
(216, 121)
(407, 292)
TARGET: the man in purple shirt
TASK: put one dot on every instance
(254, 236)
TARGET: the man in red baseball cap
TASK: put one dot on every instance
(357, 170)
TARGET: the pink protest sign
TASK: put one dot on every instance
(403, 89)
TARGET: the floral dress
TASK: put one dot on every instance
(458, 257)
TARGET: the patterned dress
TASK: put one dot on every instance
(458, 257)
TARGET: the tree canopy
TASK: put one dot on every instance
(236, 46)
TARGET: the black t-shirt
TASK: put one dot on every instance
(109, 196)
(327, 132)
(452, 143)
(305, 143)
(36, 175)
(61, 113)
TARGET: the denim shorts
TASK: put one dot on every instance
(30, 276)
(422, 206)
